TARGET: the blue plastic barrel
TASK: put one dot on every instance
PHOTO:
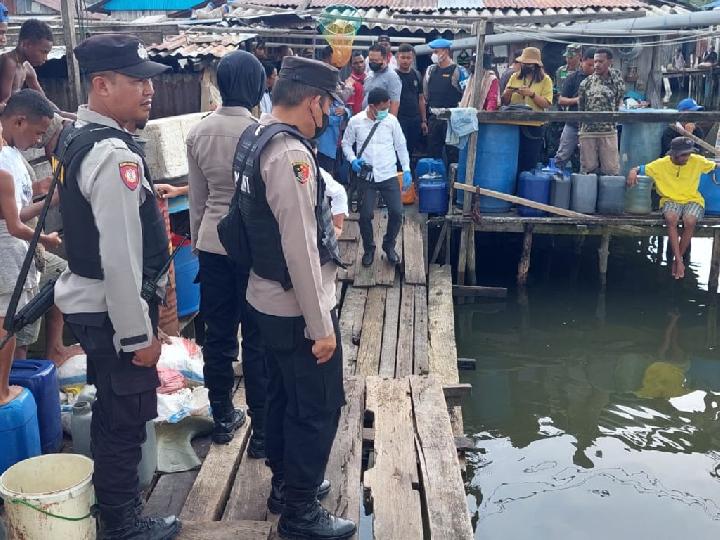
(641, 142)
(186, 270)
(40, 377)
(536, 187)
(495, 164)
(19, 433)
(432, 196)
(430, 165)
(710, 190)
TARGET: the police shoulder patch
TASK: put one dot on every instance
(130, 174)
(301, 170)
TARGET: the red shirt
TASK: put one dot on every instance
(356, 100)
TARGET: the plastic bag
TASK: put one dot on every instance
(185, 356)
(73, 373)
(186, 402)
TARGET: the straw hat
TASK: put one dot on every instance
(530, 55)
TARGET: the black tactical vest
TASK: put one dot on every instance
(81, 237)
(250, 232)
(441, 92)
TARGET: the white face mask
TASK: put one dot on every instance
(435, 58)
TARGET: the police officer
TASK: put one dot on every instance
(116, 245)
(294, 252)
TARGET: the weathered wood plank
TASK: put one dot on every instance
(345, 464)
(220, 530)
(207, 498)
(365, 276)
(414, 259)
(248, 498)
(348, 244)
(169, 494)
(406, 332)
(388, 354)
(443, 487)
(479, 291)
(351, 319)
(441, 325)
(384, 271)
(420, 349)
(351, 230)
(368, 358)
(393, 477)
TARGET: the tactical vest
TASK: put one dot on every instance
(250, 232)
(441, 91)
(81, 237)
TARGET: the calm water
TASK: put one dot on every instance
(595, 417)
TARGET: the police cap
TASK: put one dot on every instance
(121, 53)
(440, 43)
(311, 73)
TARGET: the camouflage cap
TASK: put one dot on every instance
(572, 50)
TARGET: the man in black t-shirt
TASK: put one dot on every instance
(412, 112)
(569, 99)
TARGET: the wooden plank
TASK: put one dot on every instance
(220, 530)
(479, 290)
(248, 498)
(441, 326)
(169, 494)
(384, 271)
(443, 487)
(368, 359)
(393, 477)
(456, 391)
(406, 332)
(420, 349)
(388, 355)
(348, 244)
(207, 498)
(414, 254)
(351, 230)
(344, 467)
(351, 319)
(69, 17)
(365, 277)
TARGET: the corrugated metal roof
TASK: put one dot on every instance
(425, 5)
(151, 5)
(56, 53)
(194, 45)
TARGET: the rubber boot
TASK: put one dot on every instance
(227, 420)
(256, 445)
(125, 522)
(304, 517)
(276, 501)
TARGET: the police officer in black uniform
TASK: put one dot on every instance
(116, 246)
(292, 245)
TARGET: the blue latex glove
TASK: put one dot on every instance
(356, 164)
(407, 180)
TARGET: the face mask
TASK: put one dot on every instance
(375, 66)
(381, 115)
(526, 70)
(435, 58)
(323, 125)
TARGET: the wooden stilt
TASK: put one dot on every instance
(660, 249)
(524, 265)
(603, 254)
(438, 244)
(448, 243)
(471, 276)
(714, 264)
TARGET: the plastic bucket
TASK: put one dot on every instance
(49, 497)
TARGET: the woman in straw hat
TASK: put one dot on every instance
(531, 87)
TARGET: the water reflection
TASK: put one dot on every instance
(595, 416)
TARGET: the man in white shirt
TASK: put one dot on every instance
(271, 74)
(383, 178)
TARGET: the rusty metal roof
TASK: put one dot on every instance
(196, 45)
(432, 5)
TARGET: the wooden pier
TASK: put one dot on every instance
(394, 466)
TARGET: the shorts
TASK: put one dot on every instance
(53, 267)
(688, 209)
(29, 334)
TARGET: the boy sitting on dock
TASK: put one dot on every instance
(676, 178)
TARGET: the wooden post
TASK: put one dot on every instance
(714, 264)
(69, 16)
(524, 265)
(603, 254)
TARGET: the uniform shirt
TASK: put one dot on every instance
(288, 171)
(543, 88)
(601, 94)
(561, 75)
(387, 141)
(679, 183)
(411, 88)
(211, 146)
(387, 79)
(266, 102)
(115, 207)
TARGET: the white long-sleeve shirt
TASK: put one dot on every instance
(336, 193)
(387, 141)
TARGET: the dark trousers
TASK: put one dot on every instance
(436, 147)
(126, 401)
(327, 163)
(390, 190)
(531, 147)
(412, 130)
(304, 401)
(224, 308)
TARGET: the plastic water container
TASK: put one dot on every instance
(560, 191)
(40, 377)
(495, 164)
(186, 270)
(710, 190)
(19, 433)
(611, 195)
(432, 194)
(536, 187)
(430, 165)
(641, 142)
(584, 193)
(59, 484)
(638, 198)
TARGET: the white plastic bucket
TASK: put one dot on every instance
(49, 497)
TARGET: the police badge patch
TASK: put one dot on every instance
(301, 170)
(130, 174)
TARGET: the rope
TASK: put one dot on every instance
(65, 518)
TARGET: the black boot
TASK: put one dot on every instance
(392, 256)
(276, 501)
(125, 522)
(368, 257)
(304, 517)
(227, 420)
(256, 446)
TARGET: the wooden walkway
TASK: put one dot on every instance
(394, 466)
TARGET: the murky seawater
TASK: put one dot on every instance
(595, 416)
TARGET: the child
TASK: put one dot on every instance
(24, 121)
(676, 178)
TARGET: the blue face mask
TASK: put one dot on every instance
(382, 115)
